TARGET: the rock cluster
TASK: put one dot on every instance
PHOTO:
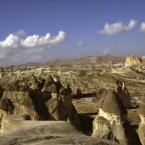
(49, 99)
(112, 121)
(39, 99)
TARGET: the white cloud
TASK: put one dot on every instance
(142, 27)
(106, 51)
(17, 40)
(112, 29)
(22, 46)
(80, 43)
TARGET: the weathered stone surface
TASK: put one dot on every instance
(55, 108)
(26, 111)
(141, 109)
(1, 114)
(48, 133)
(11, 123)
(23, 104)
(101, 128)
(112, 119)
(141, 132)
(133, 116)
(85, 106)
(111, 104)
(141, 128)
(19, 97)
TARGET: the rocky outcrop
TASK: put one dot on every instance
(112, 108)
(132, 60)
(123, 94)
(56, 109)
(141, 128)
(113, 116)
(40, 101)
(60, 107)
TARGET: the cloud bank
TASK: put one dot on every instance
(18, 40)
(19, 44)
(142, 27)
(112, 29)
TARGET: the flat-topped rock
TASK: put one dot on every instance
(11, 123)
(48, 132)
(85, 106)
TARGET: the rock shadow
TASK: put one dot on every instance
(39, 104)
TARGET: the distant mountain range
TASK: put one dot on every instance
(89, 60)
(108, 59)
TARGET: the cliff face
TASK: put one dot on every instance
(132, 60)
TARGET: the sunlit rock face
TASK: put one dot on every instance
(101, 128)
(141, 128)
(132, 60)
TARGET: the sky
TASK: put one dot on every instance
(42, 30)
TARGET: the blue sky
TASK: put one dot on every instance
(80, 23)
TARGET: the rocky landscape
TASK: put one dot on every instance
(89, 101)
